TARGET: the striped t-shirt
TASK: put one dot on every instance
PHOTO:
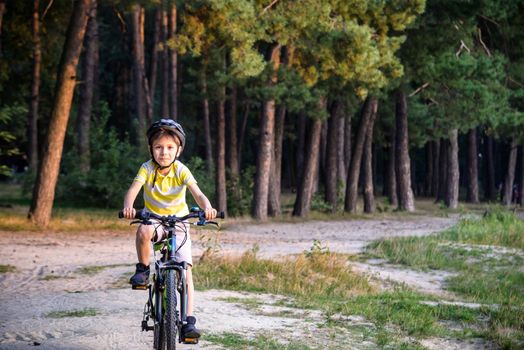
(168, 196)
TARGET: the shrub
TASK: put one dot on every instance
(114, 163)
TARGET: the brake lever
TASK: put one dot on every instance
(213, 223)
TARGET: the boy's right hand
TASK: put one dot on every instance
(129, 213)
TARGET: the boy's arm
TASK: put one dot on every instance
(129, 200)
(202, 201)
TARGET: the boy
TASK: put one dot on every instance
(164, 180)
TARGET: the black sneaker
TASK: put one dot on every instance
(141, 276)
(190, 333)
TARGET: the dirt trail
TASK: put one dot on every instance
(49, 279)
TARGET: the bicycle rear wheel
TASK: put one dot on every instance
(171, 313)
(159, 339)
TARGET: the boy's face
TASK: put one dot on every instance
(165, 150)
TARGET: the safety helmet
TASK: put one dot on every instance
(167, 124)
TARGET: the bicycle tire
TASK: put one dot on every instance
(170, 316)
(159, 339)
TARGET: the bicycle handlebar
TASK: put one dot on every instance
(144, 215)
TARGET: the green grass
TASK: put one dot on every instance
(7, 268)
(485, 274)
(235, 341)
(64, 220)
(93, 270)
(248, 303)
(316, 275)
(87, 312)
(322, 280)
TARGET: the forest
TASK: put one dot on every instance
(345, 105)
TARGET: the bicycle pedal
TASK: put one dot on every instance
(190, 341)
(146, 327)
(140, 287)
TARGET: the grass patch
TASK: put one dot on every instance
(7, 268)
(316, 275)
(322, 280)
(248, 303)
(64, 220)
(235, 341)
(121, 282)
(87, 312)
(93, 270)
(485, 274)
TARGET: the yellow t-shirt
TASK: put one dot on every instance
(168, 196)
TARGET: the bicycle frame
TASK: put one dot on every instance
(157, 290)
(169, 279)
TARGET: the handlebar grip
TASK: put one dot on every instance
(221, 215)
(120, 214)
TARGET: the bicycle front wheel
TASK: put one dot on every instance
(159, 340)
(170, 316)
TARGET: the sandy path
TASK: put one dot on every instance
(34, 291)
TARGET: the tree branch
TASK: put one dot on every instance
(483, 45)
(269, 6)
(516, 82)
(419, 89)
(462, 46)
(46, 9)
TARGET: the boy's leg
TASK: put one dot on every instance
(190, 332)
(144, 234)
(143, 250)
(190, 291)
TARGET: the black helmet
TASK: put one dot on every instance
(167, 124)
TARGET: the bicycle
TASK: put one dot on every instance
(168, 279)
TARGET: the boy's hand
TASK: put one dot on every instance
(211, 213)
(129, 213)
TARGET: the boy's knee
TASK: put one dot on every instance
(144, 234)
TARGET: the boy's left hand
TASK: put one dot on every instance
(211, 213)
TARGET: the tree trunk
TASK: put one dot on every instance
(443, 170)
(403, 163)
(85, 106)
(452, 196)
(47, 176)
(138, 72)
(510, 174)
(153, 68)
(2, 11)
(276, 164)
(369, 196)
(391, 177)
(350, 204)
(347, 144)
(473, 173)
(164, 68)
(305, 190)
(301, 145)
(265, 148)
(341, 143)
(490, 189)
(331, 156)
(323, 154)
(35, 89)
(207, 123)
(521, 187)
(429, 169)
(221, 194)
(231, 135)
(173, 61)
(436, 161)
(242, 133)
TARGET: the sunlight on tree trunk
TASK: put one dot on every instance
(44, 189)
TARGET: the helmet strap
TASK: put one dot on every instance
(159, 167)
